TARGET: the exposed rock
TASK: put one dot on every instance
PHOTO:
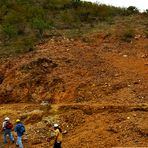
(125, 56)
(45, 103)
(40, 63)
(144, 56)
(50, 120)
(138, 36)
(112, 129)
(36, 141)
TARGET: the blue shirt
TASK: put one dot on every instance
(18, 128)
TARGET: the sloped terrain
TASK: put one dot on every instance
(96, 87)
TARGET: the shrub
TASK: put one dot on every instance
(127, 35)
(24, 44)
(76, 3)
(40, 25)
(9, 30)
(67, 17)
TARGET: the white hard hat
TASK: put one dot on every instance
(7, 118)
(55, 125)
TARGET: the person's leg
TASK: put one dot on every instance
(60, 145)
(57, 145)
(19, 141)
(10, 136)
(5, 134)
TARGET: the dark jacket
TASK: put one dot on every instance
(20, 129)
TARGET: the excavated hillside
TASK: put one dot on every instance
(95, 87)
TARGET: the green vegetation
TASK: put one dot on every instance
(128, 35)
(23, 23)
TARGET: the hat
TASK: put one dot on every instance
(55, 125)
(18, 120)
(7, 119)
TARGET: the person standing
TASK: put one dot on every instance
(57, 136)
(19, 129)
(7, 128)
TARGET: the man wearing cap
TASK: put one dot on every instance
(19, 129)
(7, 127)
(58, 136)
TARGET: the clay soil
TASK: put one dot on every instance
(95, 87)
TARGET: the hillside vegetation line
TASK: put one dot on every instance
(23, 24)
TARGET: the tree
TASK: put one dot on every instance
(40, 25)
(132, 10)
(76, 3)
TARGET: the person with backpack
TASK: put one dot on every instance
(7, 128)
(19, 129)
(57, 136)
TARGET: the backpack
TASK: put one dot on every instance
(22, 129)
(8, 125)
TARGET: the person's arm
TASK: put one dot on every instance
(12, 127)
(51, 129)
(56, 132)
(15, 129)
(24, 128)
(3, 125)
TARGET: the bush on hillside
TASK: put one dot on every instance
(128, 35)
(9, 31)
(40, 25)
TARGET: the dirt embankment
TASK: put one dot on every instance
(68, 70)
(96, 88)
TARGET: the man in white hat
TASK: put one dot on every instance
(7, 127)
(58, 136)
